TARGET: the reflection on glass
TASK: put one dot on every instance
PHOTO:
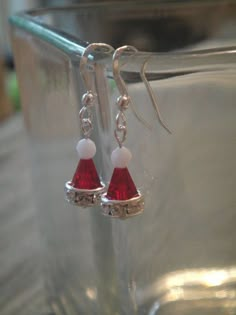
(193, 291)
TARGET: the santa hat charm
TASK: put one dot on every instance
(122, 199)
(85, 188)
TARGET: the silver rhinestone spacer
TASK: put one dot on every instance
(122, 209)
(83, 197)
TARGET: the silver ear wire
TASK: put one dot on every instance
(120, 82)
(116, 68)
(91, 48)
(152, 96)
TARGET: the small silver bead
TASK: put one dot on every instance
(123, 102)
(88, 98)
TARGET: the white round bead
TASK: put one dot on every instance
(120, 157)
(86, 149)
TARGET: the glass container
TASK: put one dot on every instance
(179, 255)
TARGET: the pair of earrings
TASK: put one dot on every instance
(122, 199)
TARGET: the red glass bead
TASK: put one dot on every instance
(86, 176)
(121, 185)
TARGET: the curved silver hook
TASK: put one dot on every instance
(99, 47)
(152, 96)
(116, 68)
(120, 82)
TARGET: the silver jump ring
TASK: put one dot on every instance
(86, 118)
(121, 127)
(87, 127)
(121, 121)
(120, 139)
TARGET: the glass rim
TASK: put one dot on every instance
(74, 47)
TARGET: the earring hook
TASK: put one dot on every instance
(121, 83)
(152, 96)
(99, 47)
(116, 68)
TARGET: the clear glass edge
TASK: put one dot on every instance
(75, 48)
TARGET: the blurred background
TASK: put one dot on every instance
(9, 94)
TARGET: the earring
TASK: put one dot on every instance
(85, 188)
(122, 199)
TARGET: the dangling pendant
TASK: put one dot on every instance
(122, 199)
(85, 188)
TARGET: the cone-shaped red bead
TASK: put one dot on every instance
(121, 185)
(86, 176)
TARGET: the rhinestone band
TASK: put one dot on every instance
(122, 209)
(83, 197)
